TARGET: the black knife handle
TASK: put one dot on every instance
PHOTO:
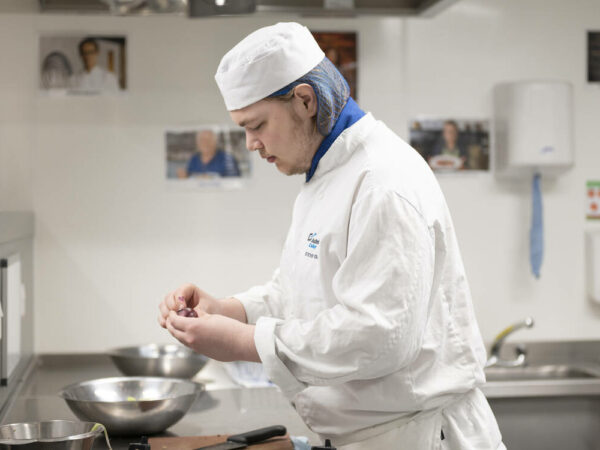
(262, 434)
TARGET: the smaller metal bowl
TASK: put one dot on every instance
(155, 360)
(132, 405)
(49, 435)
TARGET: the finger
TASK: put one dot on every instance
(188, 293)
(161, 321)
(164, 311)
(172, 304)
(179, 322)
(177, 334)
(200, 312)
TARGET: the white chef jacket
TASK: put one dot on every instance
(96, 80)
(368, 321)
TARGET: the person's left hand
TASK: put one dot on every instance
(215, 336)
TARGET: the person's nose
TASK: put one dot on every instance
(252, 143)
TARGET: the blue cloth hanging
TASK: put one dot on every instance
(536, 234)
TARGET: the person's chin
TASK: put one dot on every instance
(283, 169)
(294, 171)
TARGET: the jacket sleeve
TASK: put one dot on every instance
(383, 289)
(263, 300)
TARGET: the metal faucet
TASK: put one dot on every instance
(495, 359)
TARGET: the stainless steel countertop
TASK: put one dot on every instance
(584, 354)
(541, 388)
(226, 408)
(223, 409)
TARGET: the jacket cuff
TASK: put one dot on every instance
(254, 304)
(276, 370)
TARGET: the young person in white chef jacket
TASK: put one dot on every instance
(367, 325)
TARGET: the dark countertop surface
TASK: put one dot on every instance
(221, 411)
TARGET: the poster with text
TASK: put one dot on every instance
(593, 200)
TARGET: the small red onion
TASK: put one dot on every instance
(187, 312)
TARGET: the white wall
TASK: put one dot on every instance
(453, 62)
(17, 70)
(111, 240)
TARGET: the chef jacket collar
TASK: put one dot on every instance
(350, 114)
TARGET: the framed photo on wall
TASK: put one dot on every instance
(452, 145)
(207, 156)
(340, 48)
(83, 64)
(593, 57)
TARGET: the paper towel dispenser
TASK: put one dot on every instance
(533, 128)
(533, 135)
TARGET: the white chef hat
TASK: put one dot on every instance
(265, 61)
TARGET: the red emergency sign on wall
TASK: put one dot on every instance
(593, 199)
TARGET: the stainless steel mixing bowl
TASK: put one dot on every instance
(49, 435)
(155, 360)
(132, 405)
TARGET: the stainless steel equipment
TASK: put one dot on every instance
(544, 372)
(132, 405)
(521, 354)
(204, 8)
(49, 435)
(158, 360)
(16, 270)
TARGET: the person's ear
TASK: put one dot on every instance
(308, 99)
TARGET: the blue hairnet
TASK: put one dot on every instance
(331, 89)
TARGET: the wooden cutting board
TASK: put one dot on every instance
(193, 442)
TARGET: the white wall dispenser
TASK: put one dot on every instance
(533, 139)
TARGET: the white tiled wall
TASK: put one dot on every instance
(111, 240)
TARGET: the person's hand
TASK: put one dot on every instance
(187, 296)
(216, 336)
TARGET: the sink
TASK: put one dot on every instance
(541, 372)
(553, 402)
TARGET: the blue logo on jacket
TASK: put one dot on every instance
(313, 241)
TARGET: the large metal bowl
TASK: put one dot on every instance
(155, 360)
(49, 435)
(132, 405)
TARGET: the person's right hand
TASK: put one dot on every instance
(187, 296)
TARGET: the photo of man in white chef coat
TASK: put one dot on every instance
(83, 64)
(367, 325)
(93, 77)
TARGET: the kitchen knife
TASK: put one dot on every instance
(243, 440)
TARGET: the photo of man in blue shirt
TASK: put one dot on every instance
(209, 159)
